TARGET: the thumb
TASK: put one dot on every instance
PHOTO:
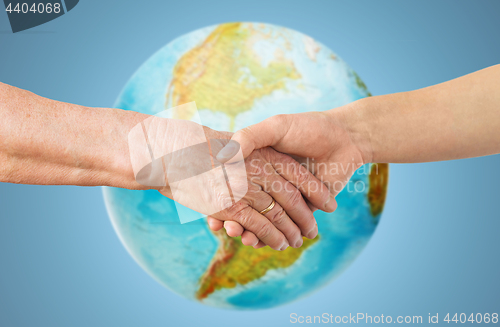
(266, 133)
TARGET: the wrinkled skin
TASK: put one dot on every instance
(333, 155)
(271, 174)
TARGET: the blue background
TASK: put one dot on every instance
(436, 247)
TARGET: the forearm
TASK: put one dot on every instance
(453, 120)
(43, 141)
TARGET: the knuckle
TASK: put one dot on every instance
(299, 174)
(222, 201)
(256, 196)
(243, 217)
(253, 189)
(302, 175)
(279, 217)
(236, 212)
(295, 198)
(264, 231)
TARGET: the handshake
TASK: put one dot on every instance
(262, 183)
(278, 172)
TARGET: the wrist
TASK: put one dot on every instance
(354, 120)
(122, 172)
(116, 163)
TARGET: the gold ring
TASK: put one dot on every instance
(269, 208)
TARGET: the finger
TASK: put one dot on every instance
(313, 208)
(283, 221)
(230, 226)
(314, 232)
(214, 224)
(309, 185)
(256, 223)
(260, 200)
(259, 245)
(291, 214)
(279, 217)
(249, 239)
(233, 229)
(263, 134)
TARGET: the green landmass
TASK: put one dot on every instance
(223, 74)
(378, 179)
(235, 264)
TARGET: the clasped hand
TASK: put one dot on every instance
(317, 140)
(288, 176)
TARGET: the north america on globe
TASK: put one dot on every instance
(240, 74)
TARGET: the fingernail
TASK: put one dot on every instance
(299, 243)
(331, 204)
(283, 248)
(228, 151)
(312, 234)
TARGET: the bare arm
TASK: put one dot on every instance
(43, 141)
(453, 120)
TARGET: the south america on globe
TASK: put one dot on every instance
(240, 74)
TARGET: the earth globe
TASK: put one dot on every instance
(240, 74)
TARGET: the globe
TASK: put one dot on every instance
(240, 74)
